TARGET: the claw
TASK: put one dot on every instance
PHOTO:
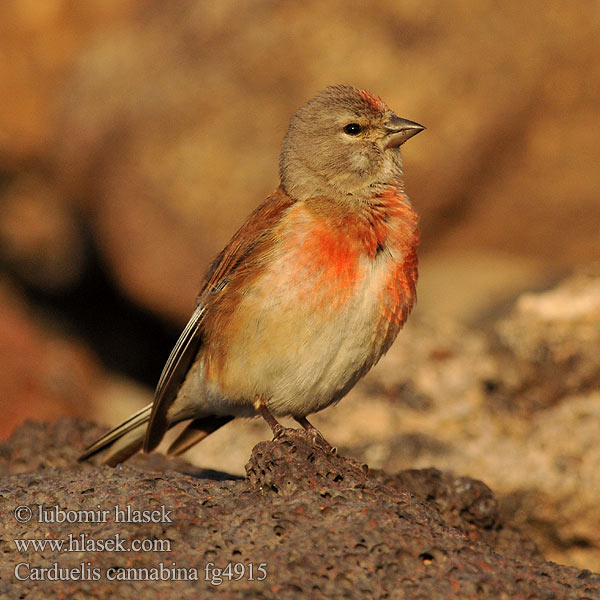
(278, 431)
(316, 434)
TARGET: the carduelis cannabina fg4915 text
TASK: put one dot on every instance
(307, 295)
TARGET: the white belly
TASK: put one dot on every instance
(304, 350)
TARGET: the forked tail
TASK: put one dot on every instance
(124, 440)
(127, 438)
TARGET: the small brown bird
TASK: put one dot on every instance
(307, 295)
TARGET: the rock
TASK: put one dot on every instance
(40, 239)
(44, 375)
(553, 340)
(274, 468)
(40, 43)
(467, 504)
(332, 532)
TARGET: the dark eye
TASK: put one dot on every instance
(352, 129)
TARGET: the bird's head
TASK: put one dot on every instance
(343, 143)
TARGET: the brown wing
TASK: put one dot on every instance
(258, 224)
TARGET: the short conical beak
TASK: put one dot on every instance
(399, 130)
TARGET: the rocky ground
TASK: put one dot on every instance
(317, 524)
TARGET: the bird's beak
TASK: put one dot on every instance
(399, 130)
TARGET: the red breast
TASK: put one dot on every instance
(321, 257)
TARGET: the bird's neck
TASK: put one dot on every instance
(302, 183)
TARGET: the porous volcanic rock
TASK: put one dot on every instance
(315, 521)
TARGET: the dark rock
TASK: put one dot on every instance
(316, 522)
(274, 468)
(467, 504)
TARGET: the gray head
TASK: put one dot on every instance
(343, 142)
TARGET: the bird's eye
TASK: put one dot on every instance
(352, 129)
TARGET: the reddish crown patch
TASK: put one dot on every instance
(375, 101)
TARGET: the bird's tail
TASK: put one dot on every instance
(128, 437)
(124, 440)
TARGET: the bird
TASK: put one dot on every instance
(308, 294)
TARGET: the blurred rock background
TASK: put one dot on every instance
(136, 136)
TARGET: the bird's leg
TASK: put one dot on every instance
(316, 434)
(261, 408)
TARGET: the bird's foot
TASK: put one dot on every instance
(316, 436)
(278, 430)
(319, 440)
